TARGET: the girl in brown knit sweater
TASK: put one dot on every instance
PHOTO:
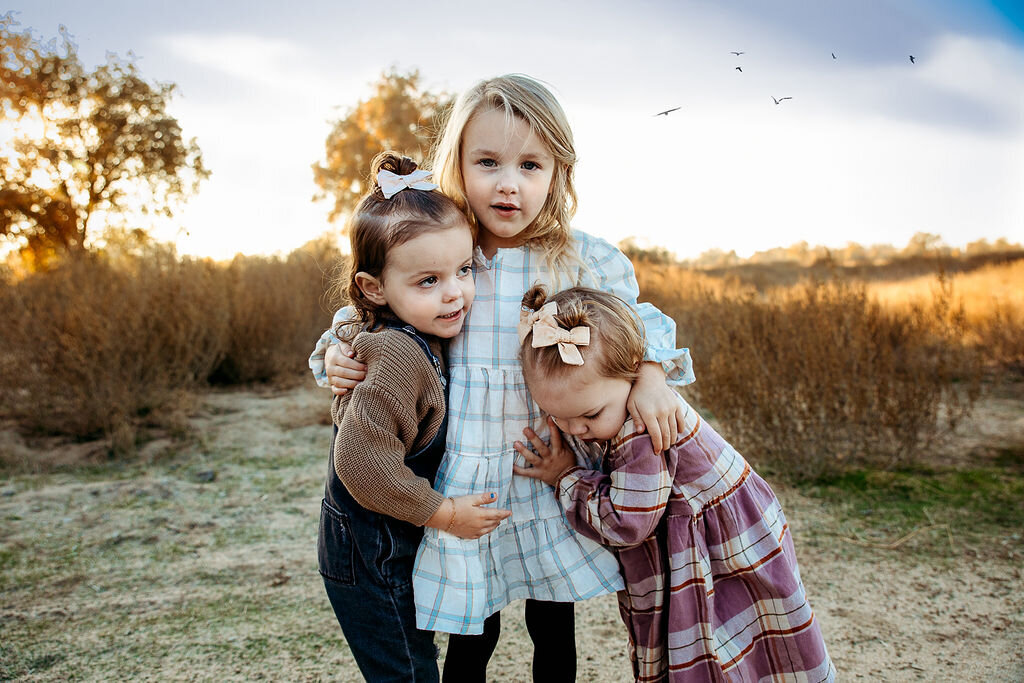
(410, 283)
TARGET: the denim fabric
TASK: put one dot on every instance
(375, 607)
(365, 559)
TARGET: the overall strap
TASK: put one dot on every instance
(411, 331)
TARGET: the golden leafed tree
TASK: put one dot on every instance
(76, 144)
(398, 116)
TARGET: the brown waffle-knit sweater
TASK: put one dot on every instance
(395, 411)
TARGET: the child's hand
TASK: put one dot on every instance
(653, 406)
(344, 372)
(548, 461)
(472, 520)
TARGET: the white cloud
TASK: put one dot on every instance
(283, 67)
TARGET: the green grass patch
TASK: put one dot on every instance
(981, 506)
(8, 557)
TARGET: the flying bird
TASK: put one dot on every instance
(740, 69)
(780, 99)
(738, 53)
(667, 111)
(911, 59)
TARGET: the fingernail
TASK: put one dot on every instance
(492, 495)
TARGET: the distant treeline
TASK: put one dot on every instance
(921, 245)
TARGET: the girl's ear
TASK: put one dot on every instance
(371, 288)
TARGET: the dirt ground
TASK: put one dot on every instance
(198, 562)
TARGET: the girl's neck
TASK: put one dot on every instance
(490, 244)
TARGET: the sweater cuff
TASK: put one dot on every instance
(426, 509)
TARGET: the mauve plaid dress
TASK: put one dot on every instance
(713, 590)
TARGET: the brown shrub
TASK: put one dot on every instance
(276, 316)
(89, 346)
(100, 345)
(1000, 338)
(818, 377)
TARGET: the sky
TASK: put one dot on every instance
(871, 148)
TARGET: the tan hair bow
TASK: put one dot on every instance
(547, 332)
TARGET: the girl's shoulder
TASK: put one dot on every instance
(388, 351)
(629, 435)
(588, 242)
(594, 250)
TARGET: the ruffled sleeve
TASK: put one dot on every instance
(316, 359)
(606, 268)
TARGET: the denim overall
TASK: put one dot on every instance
(366, 561)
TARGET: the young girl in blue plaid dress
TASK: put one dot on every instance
(713, 590)
(506, 157)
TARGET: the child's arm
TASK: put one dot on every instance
(378, 425)
(654, 407)
(333, 362)
(343, 370)
(621, 508)
(609, 270)
(652, 404)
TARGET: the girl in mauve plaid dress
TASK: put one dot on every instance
(713, 590)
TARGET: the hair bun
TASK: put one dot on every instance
(535, 297)
(391, 161)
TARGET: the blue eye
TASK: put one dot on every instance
(466, 269)
(488, 163)
(429, 281)
(531, 166)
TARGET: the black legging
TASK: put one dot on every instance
(552, 627)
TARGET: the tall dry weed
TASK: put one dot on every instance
(88, 346)
(101, 345)
(992, 299)
(818, 377)
(276, 315)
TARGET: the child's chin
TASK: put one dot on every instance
(449, 333)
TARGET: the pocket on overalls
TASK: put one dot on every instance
(334, 547)
(398, 552)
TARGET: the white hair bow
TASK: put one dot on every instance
(392, 183)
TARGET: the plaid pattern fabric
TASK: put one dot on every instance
(534, 554)
(713, 590)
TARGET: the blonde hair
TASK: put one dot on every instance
(376, 226)
(617, 339)
(518, 96)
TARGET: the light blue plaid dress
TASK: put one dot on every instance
(534, 553)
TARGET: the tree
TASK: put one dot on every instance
(82, 143)
(922, 243)
(398, 116)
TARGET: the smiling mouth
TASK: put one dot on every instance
(451, 316)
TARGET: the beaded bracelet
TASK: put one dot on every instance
(451, 520)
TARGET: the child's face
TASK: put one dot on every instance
(582, 402)
(428, 281)
(507, 170)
